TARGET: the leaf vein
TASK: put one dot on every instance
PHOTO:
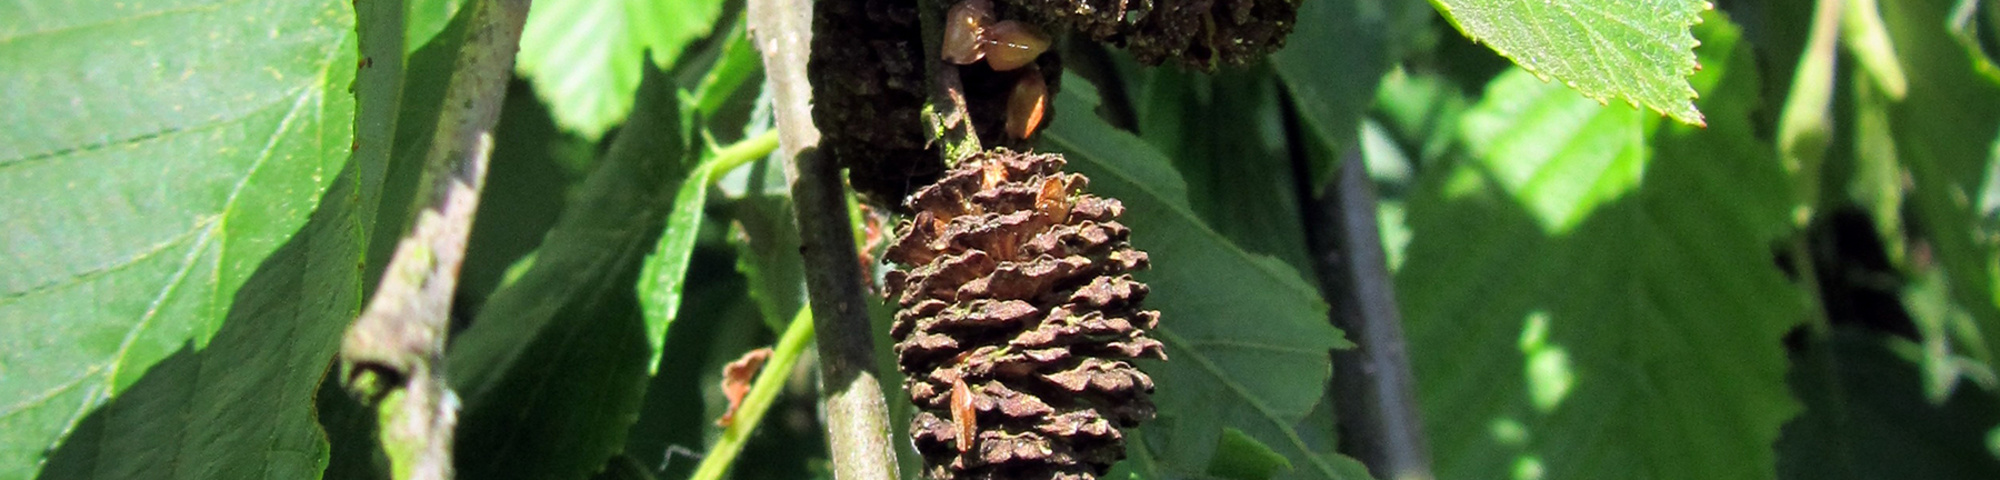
(1291, 434)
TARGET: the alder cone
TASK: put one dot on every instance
(1017, 321)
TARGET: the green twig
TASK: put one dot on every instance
(762, 393)
(393, 355)
(743, 152)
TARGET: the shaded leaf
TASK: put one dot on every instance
(157, 154)
(349, 426)
(1226, 136)
(767, 246)
(1640, 51)
(683, 398)
(1331, 67)
(1944, 133)
(553, 369)
(526, 188)
(1248, 336)
(1641, 342)
(1866, 417)
(1240, 457)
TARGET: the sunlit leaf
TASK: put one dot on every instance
(1639, 51)
(665, 270)
(585, 56)
(153, 156)
(1559, 155)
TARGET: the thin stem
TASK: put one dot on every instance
(394, 353)
(857, 416)
(743, 152)
(946, 112)
(1807, 269)
(763, 392)
(1372, 386)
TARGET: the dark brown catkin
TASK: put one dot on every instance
(1201, 34)
(867, 75)
(1018, 320)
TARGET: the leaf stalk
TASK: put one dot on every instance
(763, 392)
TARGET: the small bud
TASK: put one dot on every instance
(1011, 44)
(963, 27)
(1026, 105)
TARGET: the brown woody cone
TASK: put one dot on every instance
(1017, 321)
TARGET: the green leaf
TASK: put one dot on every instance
(1866, 417)
(242, 407)
(425, 74)
(350, 426)
(585, 56)
(1239, 457)
(767, 254)
(1943, 132)
(1226, 136)
(1557, 154)
(553, 369)
(1249, 338)
(660, 279)
(425, 19)
(1331, 67)
(1418, 112)
(1951, 347)
(683, 400)
(156, 155)
(1641, 342)
(534, 168)
(1639, 51)
(624, 467)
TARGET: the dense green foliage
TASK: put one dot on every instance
(1631, 239)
